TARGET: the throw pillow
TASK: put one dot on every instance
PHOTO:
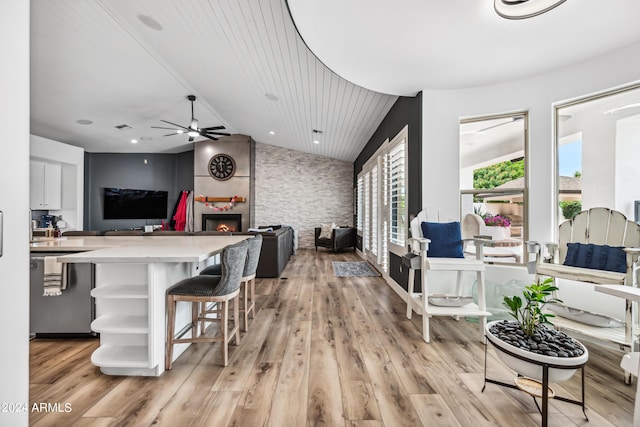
(597, 257)
(326, 230)
(273, 227)
(446, 239)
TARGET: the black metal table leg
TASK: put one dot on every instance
(544, 412)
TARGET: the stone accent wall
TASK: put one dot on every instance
(301, 190)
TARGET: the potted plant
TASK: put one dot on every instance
(498, 226)
(530, 337)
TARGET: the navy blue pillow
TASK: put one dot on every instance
(598, 257)
(446, 239)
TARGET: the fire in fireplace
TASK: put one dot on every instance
(222, 222)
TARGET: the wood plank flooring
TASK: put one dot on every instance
(321, 351)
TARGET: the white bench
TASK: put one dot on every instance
(598, 226)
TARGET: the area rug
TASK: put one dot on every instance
(353, 269)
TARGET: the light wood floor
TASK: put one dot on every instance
(322, 351)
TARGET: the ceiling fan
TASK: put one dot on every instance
(193, 130)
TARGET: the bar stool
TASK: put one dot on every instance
(206, 289)
(248, 282)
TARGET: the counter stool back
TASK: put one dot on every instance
(248, 282)
(200, 290)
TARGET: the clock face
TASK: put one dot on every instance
(222, 167)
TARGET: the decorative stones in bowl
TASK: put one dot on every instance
(444, 300)
(546, 346)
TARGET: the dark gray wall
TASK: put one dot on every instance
(184, 171)
(406, 111)
(166, 172)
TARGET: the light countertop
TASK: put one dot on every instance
(147, 249)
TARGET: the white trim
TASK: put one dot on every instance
(401, 137)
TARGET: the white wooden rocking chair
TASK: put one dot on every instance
(420, 301)
(596, 226)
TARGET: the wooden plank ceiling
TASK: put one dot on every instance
(97, 60)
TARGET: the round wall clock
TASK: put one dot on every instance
(222, 167)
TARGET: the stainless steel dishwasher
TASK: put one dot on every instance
(69, 314)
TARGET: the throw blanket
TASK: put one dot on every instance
(55, 277)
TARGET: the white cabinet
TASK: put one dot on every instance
(46, 185)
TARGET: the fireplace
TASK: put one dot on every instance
(222, 222)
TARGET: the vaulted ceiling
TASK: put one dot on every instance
(134, 62)
(428, 44)
(117, 62)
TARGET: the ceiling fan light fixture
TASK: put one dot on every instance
(193, 133)
(522, 9)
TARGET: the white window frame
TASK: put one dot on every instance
(399, 247)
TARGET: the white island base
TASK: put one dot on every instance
(130, 296)
(130, 316)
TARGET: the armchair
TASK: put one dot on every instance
(341, 238)
(440, 248)
(598, 246)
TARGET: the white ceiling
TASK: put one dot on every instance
(402, 47)
(95, 60)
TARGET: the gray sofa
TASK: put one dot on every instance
(277, 248)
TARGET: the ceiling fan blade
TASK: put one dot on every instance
(160, 127)
(170, 134)
(210, 137)
(213, 133)
(181, 127)
(213, 128)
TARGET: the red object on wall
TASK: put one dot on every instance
(181, 213)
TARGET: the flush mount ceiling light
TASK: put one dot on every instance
(521, 9)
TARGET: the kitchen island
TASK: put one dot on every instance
(132, 274)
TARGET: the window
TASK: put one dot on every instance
(359, 207)
(374, 211)
(397, 193)
(381, 202)
(493, 182)
(366, 229)
(597, 153)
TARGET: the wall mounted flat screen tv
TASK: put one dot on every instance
(124, 203)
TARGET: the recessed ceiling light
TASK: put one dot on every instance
(84, 122)
(521, 9)
(271, 132)
(146, 138)
(271, 97)
(134, 141)
(179, 131)
(316, 141)
(150, 22)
